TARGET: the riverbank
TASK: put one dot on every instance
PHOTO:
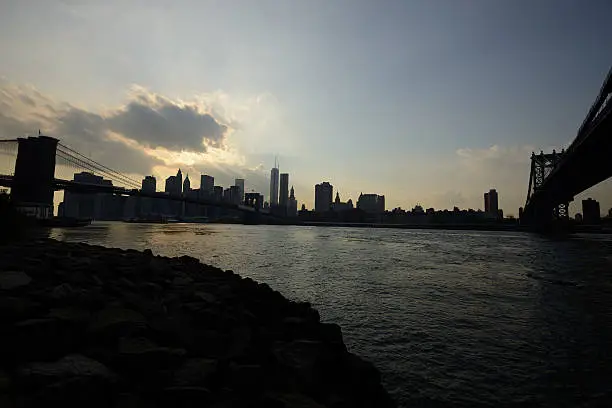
(88, 325)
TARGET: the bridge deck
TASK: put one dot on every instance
(77, 187)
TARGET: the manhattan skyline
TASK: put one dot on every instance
(423, 102)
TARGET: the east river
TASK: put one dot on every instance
(454, 318)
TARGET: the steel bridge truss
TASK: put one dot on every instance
(542, 165)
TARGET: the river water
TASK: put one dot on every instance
(453, 318)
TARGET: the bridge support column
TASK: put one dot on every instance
(32, 190)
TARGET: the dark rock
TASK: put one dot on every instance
(206, 297)
(5, 383)
(71, 366)
(141, 355)
(64, 291)
(291, 400)
(70, 314)
(147, 253)
(249, 377)
(125, 282)
(312, 364)
(183, 397)
(96, 280)
(150, 288)
(182, 280)
(13, 280)
(189, 260)
(39, 339)
(240, 340)
(112, 322)
(74, 392)
(204, 342)
(14, 309)
(196, 372)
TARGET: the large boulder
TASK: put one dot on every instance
(72, 381)
(13, 280)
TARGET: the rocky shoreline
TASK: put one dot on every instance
(91, 326)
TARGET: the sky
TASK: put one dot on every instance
(429, 102)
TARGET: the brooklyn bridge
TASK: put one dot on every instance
(34, 162)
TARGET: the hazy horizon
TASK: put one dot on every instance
(426, 102)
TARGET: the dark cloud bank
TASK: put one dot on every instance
(148, 119)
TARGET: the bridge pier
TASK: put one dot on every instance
(32, 190)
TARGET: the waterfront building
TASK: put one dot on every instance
(323, 196)
(283, 200)
(149, 184)
(232, 195)
(186, 185)
(170, 186)
(371, 203)
(292, 204)
(491, 203)
(339, 206)
(147, 204)
(591, 211)
(174, 184)
(218, 193)
(207, 184)
(240, 184)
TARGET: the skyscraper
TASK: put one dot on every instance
(172, 186)
(186, 185)
(218, 193)
(207, 184)
(283, 199)
(323, 196)
(274, 185)
(149, 184)
(240, 184)
(179, 182)
(491, 202)
(591, 211)
(292, 205)
(147, 205)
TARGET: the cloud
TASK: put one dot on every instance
(150, 129)
(156, 121)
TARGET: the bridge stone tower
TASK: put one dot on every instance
(32, 190)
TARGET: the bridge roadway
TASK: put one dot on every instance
(587, 162)
(77, 187)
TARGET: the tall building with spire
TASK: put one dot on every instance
(174, 184)
(283, 199)
(179, 181)
(274, 184)
(186, 185)
(292, 205)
